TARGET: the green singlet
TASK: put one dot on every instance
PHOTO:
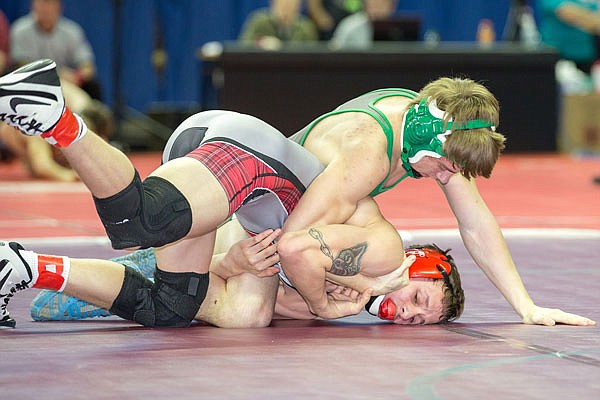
(366, 104)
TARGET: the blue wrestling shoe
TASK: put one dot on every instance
(49, 305)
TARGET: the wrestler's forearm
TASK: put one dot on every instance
(341, 252)
(310, 283)
(490, 252)
(290, 305)
(357, 282)
(484, 241)
(333, 196)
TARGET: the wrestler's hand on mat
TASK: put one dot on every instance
(552, 316)
(256, 255)
(393, 281)
(342, 308)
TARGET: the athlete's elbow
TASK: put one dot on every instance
(291, 248)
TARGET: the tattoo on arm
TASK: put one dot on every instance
(347, 263)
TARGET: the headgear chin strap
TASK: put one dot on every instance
(429, 263)
(424, 133)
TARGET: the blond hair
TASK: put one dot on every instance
(463, 100)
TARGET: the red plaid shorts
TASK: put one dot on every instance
(240, 173)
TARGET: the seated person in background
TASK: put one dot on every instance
(39, 158)
(282, 22)
(36, 155)
(46, 33)
(327, 14)
(356, 30)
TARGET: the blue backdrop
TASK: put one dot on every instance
(184, 25)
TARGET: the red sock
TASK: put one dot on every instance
(53, 272)
(67, 130)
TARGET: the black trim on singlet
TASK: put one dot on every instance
(186, 141)
(255, 193)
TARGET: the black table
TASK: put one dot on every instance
(289, 88)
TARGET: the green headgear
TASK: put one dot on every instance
(424, 133)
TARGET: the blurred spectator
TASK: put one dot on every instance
(520, 24)
(39, 158)
(46, 33)
(572, 27)
(282, 22)
(4, 43)
(356, 30)
(36, 155)
(327, 14)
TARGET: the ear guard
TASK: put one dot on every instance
(428, 264)
(424, 134)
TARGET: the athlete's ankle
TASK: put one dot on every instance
(48, 272)
(53, 272)
(69, 129)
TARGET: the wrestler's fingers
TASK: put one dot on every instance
(408, 261)
(268, 251)
(331, 287)
(260, 236)
(364, 298)
(561, 317)
(550, 317)
(351, 293)
(267, 262)
(268, 272)
(266, 238)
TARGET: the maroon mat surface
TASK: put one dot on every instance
(487, 354)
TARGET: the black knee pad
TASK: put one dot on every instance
(171, 302)
(145, 214)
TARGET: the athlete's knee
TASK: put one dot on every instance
(260, 315)
(252, 312)
(171, 301)
(145, 214)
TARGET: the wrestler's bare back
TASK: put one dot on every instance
(336, 133)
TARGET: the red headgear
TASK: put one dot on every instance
(428, 264)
